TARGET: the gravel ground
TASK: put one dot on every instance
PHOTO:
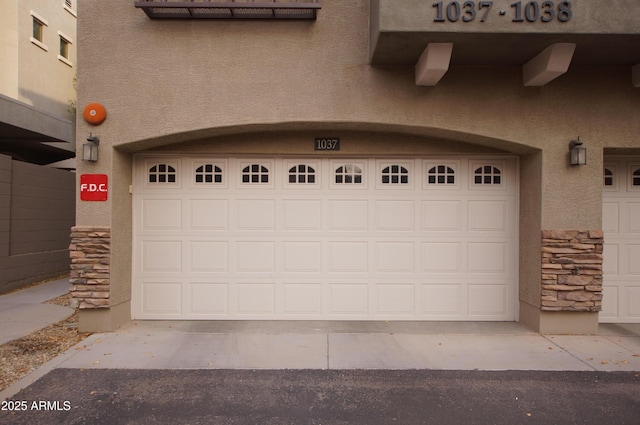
(21, 356)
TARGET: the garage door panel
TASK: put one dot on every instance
(487, 216)
(396, 216)
(610, 304)
(349, 257)
(208, 298)
(209, 214)
(442, 215)
(348, 299)
(633, 301)
(162, 256)
(303, 298)
(634, 217)
(302, 214)
(443, 300)
(610, 217)
(487, 257)
(162, 298)
(255, 214)
(395, 299)
(255, 256)
(487, 300)
(442, 257)
(379, 243)
(395, 257)
(610, 265)
(633, 259)
(302, 257)
(209, 256)
(345, 215)
(162, 214)
(255, 299)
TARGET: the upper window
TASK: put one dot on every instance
(348, 174)
(395, 174)
(38, 30)
(64, 48)
(636, 178)
(302, 173)
(68, 6)
(208, 173)
(608, 177)
(441, 174)
(255, 173)
(162, 173)
(487, 175)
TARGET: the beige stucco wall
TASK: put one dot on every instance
(271, 86)
(33, 75)
(9, 49)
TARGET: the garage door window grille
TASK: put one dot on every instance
(395, 174)
(441, 174)
(208, 173)
(255, 174)
(488, 175)
(303, 174)
(608, 177)
(349, 174)
(162, 173)
(636, 178)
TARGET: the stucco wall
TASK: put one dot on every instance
(267, 86)
(9, 49)
(176, 80)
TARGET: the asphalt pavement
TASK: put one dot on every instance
(368, 397)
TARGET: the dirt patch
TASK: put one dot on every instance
(22, 356)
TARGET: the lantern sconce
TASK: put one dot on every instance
(577, 152)
(90, 150)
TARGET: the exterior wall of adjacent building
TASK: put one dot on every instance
(37, 101)
(267, 87)
(9, 50)
(34, 73)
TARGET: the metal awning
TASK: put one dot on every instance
(230, 9)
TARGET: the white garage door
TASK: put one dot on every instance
(621, 225)
(330, 239)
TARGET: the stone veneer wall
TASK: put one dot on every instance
(90, 257)
(572, 270)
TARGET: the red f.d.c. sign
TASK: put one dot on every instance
(93, 187)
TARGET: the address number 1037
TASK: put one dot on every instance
(520, 11)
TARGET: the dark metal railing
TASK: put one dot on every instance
(230, 9)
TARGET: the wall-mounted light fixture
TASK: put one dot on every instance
(577, 152)
(90, 150)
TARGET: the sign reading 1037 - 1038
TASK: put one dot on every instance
(518, 11)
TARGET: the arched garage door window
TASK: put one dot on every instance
(303, 174)
(162, 173)
(441, 174)
(395, 174)
(636, 177)
(255, 173)
(349, 174)
(487, 175)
